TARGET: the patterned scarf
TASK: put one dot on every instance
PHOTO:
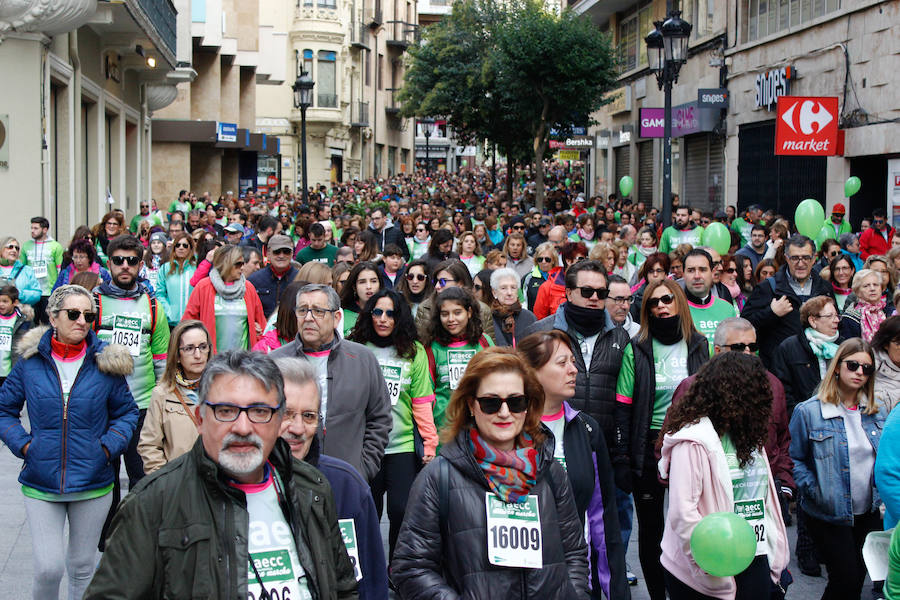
(506, 315)
(870, 317)
(509, 473)
(823, 346)
(188, 384)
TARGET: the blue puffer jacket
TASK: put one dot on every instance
(66, 452)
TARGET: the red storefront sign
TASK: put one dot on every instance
(806, 126)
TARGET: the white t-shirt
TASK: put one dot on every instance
(557, 424)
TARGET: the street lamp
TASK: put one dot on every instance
(303, 88)
(666, 51)
(427, 124)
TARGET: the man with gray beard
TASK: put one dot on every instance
(235, 517)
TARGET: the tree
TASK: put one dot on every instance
(509, 72)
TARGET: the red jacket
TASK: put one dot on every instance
(550, 294)
(200, 306)
(872, 242)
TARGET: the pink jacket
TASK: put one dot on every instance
(700, 484)
(267, 342)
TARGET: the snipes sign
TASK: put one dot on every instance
(806, 126)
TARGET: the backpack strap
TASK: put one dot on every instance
(432, 364)
(152, 314)
(99, 317)
(482, 341)
(443, 494)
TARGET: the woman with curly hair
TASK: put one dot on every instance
(386, 327)
(714, 457)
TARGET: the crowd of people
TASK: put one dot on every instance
(511, 385)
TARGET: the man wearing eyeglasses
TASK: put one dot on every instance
(755, 250)
(774, 306)
(355, 402)
(877, 238)
(356, 512)
(129, 315)
(271, 280)
(235, 517)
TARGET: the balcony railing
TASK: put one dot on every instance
(401, 34)
(359, 34)
(319, 3)
(395, 123)
(326, 100)
(162, 16)
(391, 105)
(360, 114)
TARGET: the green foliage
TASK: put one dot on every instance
(508, 72)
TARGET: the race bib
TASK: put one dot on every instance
(514, 533)
(40, 269)
(127, 332)
(392, 377)
(457, 361)
(6, 332)
(276, 573)
(750, 485)
(348, 532)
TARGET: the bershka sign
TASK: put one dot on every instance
(806, 126)
(773, 84)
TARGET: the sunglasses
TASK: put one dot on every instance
(182, 245)
(753, 347)
(731, 270)
(74, 313)
(667, 299)
(239, 264)
(855, 366)
(443, 281)
(12, 247)
(380, 312)
(281, 251)
(121, 260)
(588, 292)
(491, 404)
(416, 277)
(541, 259)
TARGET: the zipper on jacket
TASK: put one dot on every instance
(228, 526)
(65, 424)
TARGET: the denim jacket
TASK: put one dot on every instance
(822, 459)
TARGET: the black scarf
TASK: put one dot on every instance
(666, 331)
(586, 321)
(417, 298)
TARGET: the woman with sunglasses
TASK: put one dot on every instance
(416, 286)
(175, 287)
(580, 447)
(170, 428)
(386, 327)
(16, 273)
(545, 260)
(552, 292)
(453, 337)
(729, 278)
(111, 225)
(834, 441)
(81, 418)
(457, 539)
(654, 270)
(830, 249)
(869, 310)
(361, 285)
(666, 350)
(227, 303)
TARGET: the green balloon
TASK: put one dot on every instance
(717, 237)
(723, 544)
(809, 217)
(378, 189)
(852, 185)
(626, 184)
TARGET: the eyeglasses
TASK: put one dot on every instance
(229, 413)
(317, 313)
(490, 405)
(753, 347)
(854, 366)
(831, 316)
(443, 281)
(309, 417)
(380, 312)
(282, 251)
(800, 258)
(74, 313)
(656, 272)
(12, 247)
(203, 348)
(588, 292)
(121, 260)
(113, 223)
(416, 277)
(622, 299)
(182, 245)
(654, 302)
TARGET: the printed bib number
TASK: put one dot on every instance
(6, 338)
(392, 377)
(127, 332)
(457, 361)
(277, 575)
(514, 533)
(348, 532)
(750, 485)
(40, 269)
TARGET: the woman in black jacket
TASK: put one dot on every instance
(494, 515)
(666, 350)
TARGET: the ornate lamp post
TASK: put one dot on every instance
(427, 124)
(666, 51)
(303, 88)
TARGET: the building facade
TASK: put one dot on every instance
(75, 136)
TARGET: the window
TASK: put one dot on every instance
(768, 17)
(307, 64)
(379, 150)
(379, 74)
(391, 155)
(367, 68)
(325, 79)
(632, 29)
(700, 15)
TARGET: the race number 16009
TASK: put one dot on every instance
(515, 538)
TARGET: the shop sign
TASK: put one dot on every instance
(773, 84)
(712, 98)
(806, 126)
(621, 100)
(573, 143)
(568, 155)
(226, 132)
(686, 119)
(624, 137)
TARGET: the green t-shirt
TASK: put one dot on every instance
(31, 492)
(743, 228)
(672, 238)
(750, 485)
(408, 382)
(152, 218)
(232, 329)
(450, 362)
(708, 316)
(45, 259)
(325, 255)
(349, 320)
(670, 369)
(184, 207)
